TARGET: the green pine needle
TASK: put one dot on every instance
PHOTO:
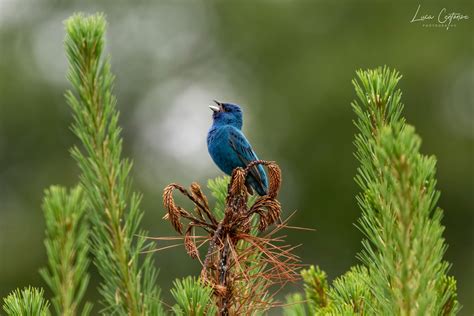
(295, 305)
(218, 187)
(316, 288)
(67, 249)
(129, 284)
(404, 272)
(27, 302)
(193, 298)
(351, 291)
(404, 246)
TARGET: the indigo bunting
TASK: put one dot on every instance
(230, 149)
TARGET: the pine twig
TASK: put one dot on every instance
(240, 266)
(67, 249)
(404, 247)
(129, 285)
(27, 302)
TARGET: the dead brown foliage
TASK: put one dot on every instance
(245, 264)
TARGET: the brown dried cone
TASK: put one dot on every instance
(189, 243)
(240, 266)
(173, 211)
(269, 210)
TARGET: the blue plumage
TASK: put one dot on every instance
(230, 149)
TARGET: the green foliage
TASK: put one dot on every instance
(27, 302)
(218, 187)
(129, 285)
(404, 272)
(67, 249)
(404, 247)
(316, 288)
(294, 305)
(350, 291)
(193, 298)
(448, 295)
(347, 295)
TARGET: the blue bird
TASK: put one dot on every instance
(230, 149)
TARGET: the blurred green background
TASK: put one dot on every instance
(288, 63)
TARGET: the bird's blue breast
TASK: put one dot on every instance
(220, 150)
(230, 149)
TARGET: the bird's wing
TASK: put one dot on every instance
(244, 151)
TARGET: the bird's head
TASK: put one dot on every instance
(226, 114)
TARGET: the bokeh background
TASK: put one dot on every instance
(288, 63)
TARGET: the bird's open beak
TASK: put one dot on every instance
(215, 108)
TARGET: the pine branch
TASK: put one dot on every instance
(348, 294)
(351, 292)
(295, 305)
(218, 188)
(404, 272)
(255, 283)
(240, 266)
(129, 286)
(67, 249)
(448, 296)
(316, 288)
(27, 302)
(404, 247)
(193, 298)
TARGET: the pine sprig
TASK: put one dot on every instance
(448, 296)
(294, 305)
(218, 187)
(404, 272)
(351, 292)
(193, 297)
(27, 302)
(129, 286)
(404, 246)
(67, 249)
(316, 288)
